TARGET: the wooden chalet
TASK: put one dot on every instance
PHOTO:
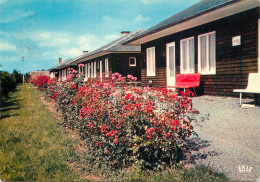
(111, 58)
(218, 38)
(60, 71)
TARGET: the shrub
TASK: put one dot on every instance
(8, 83)
(125, 126)
(18, 76)
(40, 81)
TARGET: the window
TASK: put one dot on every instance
(132, 61)
(100, 70)
(95, 69)
(92, 70)
(89, 70)
(86, 71)
(150, 61)
(207, 53)
(187, 55)
(106, 68)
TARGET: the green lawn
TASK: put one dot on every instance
(32, 147)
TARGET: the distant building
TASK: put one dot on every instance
(61, 71)
(111, 58)
(39, 73)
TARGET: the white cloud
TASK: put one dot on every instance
(55, 42)
(5, 46)
(147, 1)
(3, 1)
(15, 15)
(51, 39)
(156, 1)
(111, 37)
(140, 19)
(107, 18)
(9, 59)
(90, 42)
(50, 45)
(70, 52)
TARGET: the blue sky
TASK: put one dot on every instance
(44, 30)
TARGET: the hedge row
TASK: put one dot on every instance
(9, 81)
(122, 125)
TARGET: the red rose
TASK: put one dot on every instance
(53, 97)
(116, 141)
(98, 144)
(73, 86)
(72, 102)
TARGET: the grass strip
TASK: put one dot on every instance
(32, 147)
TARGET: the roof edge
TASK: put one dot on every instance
(182, 20)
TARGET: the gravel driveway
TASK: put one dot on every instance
(229, 140)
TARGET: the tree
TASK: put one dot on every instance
(18, 76)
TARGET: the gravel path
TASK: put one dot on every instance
(229, 140)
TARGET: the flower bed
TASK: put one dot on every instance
(122, 125)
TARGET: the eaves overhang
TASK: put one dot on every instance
(102, 53)
(221, 11)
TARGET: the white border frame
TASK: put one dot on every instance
(172, 44)
(188, 55)
(134, 63)
(147, 61)
(207, 53)
(106, 68)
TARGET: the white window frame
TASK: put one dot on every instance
(106, 68)
(208, 72)
(189, 69)
(95, 70)
(134, 61)
(64, 74)
(100, 70)
(86, 71)
(60, 75)
(150, 63)
(89, 70)
(92, 70)
(169, 79)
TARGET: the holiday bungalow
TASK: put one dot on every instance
(60, 71)
(217, 38)
(113, 57)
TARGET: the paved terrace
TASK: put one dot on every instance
(229, 139)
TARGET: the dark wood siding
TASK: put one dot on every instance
(118, 62)
(121, 64)
(233, 63)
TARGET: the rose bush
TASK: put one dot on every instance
(41, 81)
(125, 126)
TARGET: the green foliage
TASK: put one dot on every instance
(18, 76)
(8, 83)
